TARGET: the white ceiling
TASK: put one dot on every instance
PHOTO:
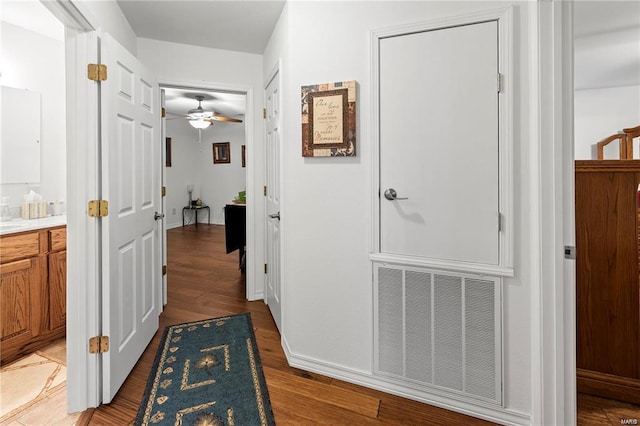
(596, 17)
(607, 33)
(607, 44)
(178, 101)
(240, 25)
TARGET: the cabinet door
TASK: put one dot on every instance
(58, 289)
(20, 298)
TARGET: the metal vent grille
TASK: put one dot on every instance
(439, 330)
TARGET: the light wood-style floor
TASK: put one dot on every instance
(204, 282)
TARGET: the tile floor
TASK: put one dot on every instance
(32, 389)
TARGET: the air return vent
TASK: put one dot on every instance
(439, 330)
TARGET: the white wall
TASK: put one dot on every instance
(183, 170)
(192, 163)
(606, 74)
(327, 276)
(108, 17)
(221, 183)
(42, 71)
(600, 113)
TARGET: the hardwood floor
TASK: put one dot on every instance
(204, 282)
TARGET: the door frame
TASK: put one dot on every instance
(553, 302)
(83, 243)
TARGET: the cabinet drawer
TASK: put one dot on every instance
(19, 246)
(57, 239)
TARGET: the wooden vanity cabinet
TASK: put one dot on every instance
(32, 291)
(57, 278)
(20, 316)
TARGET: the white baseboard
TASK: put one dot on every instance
(499, 415)
(256, 296)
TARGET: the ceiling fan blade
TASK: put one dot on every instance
(174, 114)
(223, 118)
(176, 118)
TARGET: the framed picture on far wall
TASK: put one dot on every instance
(221, 152)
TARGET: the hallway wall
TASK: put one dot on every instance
(327, 276)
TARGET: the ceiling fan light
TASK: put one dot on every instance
(200, 124)
(198, 113)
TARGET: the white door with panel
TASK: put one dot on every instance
(273, 290)
(131, 233)
(439, 126)
(437, 315)
(163, 154)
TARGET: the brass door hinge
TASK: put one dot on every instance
(164, 270)
(97, 72)
(164, 191)
(264, 190)
(265, 268)
(264, 113)
(99, 344)
(164, 112)
(98, 208)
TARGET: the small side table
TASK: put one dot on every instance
(196, 209)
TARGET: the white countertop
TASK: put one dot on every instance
(21, 225)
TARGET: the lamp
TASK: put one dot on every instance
(198, 116)
(200, 123)
(190, 191)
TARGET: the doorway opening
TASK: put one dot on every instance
(38, 163)
(606, 107)
(204, 161)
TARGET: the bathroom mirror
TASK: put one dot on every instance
(20, 143)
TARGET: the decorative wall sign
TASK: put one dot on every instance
(329, 119)
(221, 152)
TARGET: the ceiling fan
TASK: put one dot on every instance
(201, 118)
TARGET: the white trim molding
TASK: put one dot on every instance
(553, 383)
(83, 248)
(486, 411)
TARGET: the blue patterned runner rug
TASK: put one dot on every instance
(207, 373)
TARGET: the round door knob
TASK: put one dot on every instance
(391, 194)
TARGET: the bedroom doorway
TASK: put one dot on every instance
(205, 167)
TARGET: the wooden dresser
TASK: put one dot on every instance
(33, 269)
(607, 278)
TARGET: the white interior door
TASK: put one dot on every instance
(273, 293)
(163, 179)
(132, 276)
(439, 144)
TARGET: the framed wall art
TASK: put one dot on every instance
(329, 119)
(221, 152)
